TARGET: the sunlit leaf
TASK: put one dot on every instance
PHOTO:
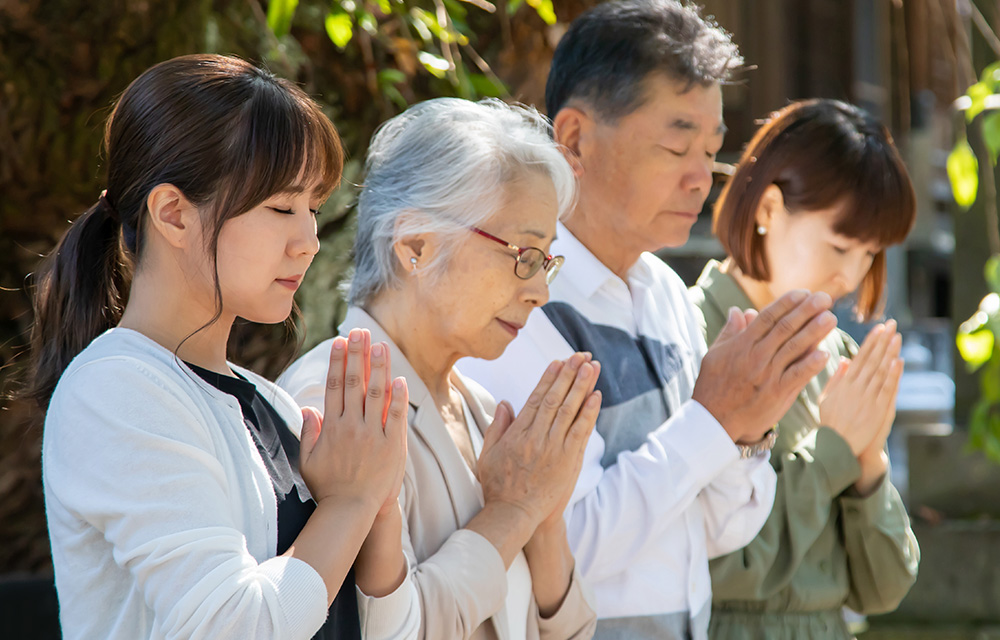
(384, 6)
(279, 16)
(486, 86)
(367, 21)
(513, 6)
(340, 28)
(991, 75)
(978, 93)
(436, 65)
(545, 10)
(963, 172)
(976, 347)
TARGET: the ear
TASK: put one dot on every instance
(772, 202)
(572, 129)
(413, 250)
(172, 215)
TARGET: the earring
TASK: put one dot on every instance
(413, 263)
(761, 230)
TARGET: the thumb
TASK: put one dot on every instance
(502, 419)
(735, 323)
(312, 424)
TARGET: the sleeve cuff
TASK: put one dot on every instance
(576, 612)
(870, 508)
(836, 460)
(301, 593)
(475, 571)
(697, 437)
(391, 616)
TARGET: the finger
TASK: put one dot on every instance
(799, 373)
(354, 392)
(890, 387)
(579, 432)
(334, 396)
(502, 418)
(312, 424)
(535, 399)
(772, 314)
(366, 349)
(864, 354)
(735, 323)
(388, 381)
(397, 411)
(836, 379)
(375, 398)
(554, 398)
(750, 315)
(573, 402)
(804, 340)
(874, 364)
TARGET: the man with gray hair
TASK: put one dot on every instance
(677, 469)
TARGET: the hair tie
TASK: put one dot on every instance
(108, 207)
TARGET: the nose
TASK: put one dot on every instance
(534, 290)
(851, 273)
(306, 239)
(698, 177)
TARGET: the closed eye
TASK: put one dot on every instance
(290, 212)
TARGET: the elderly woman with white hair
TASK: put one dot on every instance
(455, 219)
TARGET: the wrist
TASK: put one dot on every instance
(762, 445)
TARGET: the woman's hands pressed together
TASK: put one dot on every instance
(859, 401)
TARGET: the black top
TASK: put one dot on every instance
(279, 448)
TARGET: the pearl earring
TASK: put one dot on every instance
(413, 263)
(761, 230)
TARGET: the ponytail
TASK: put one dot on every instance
(80, 291)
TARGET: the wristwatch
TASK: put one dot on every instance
(756, 448)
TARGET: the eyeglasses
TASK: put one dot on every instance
(529, 259)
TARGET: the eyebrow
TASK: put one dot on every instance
(534, 232)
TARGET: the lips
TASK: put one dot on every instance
(511, 327)
(291, 282)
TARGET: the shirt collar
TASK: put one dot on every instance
(583, 269)
(723, 289)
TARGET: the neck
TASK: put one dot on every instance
(757, 290)
(585, 225)
(169, 316)
(411, 327)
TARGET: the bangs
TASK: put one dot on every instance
(281, 143)
(882, 207)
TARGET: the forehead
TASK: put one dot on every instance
(529, 205)
(668, 104)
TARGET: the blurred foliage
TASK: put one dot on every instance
(976, 338)
(62, 64)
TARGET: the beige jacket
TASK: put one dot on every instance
(460, 576)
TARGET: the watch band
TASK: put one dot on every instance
(756, 448)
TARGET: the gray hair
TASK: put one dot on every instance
(441, 167)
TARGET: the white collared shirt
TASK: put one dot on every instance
(662, 488)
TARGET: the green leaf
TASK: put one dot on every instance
(975, 347)
(978, 93)
(486, 86)
(384, 6)
(545, 10)
(389, 77)
(991, 135)
(436, 65)
(963, 172)
(279, 16)
(992, 273)
(513, 6)
(340, 28)
(367, 21)
(991, 75)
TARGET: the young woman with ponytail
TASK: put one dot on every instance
(187, 497)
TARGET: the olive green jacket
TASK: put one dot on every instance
(823, 546)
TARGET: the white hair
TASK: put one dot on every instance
(441, 167)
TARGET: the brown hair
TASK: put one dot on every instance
(821, 154)
(227, 134)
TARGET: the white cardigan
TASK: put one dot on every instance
(162, 516)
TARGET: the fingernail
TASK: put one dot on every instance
(377, 351)
(338, 343)
(355, 336)
(397, 383)
(595, 399)
(584, 371)
(798, 295)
